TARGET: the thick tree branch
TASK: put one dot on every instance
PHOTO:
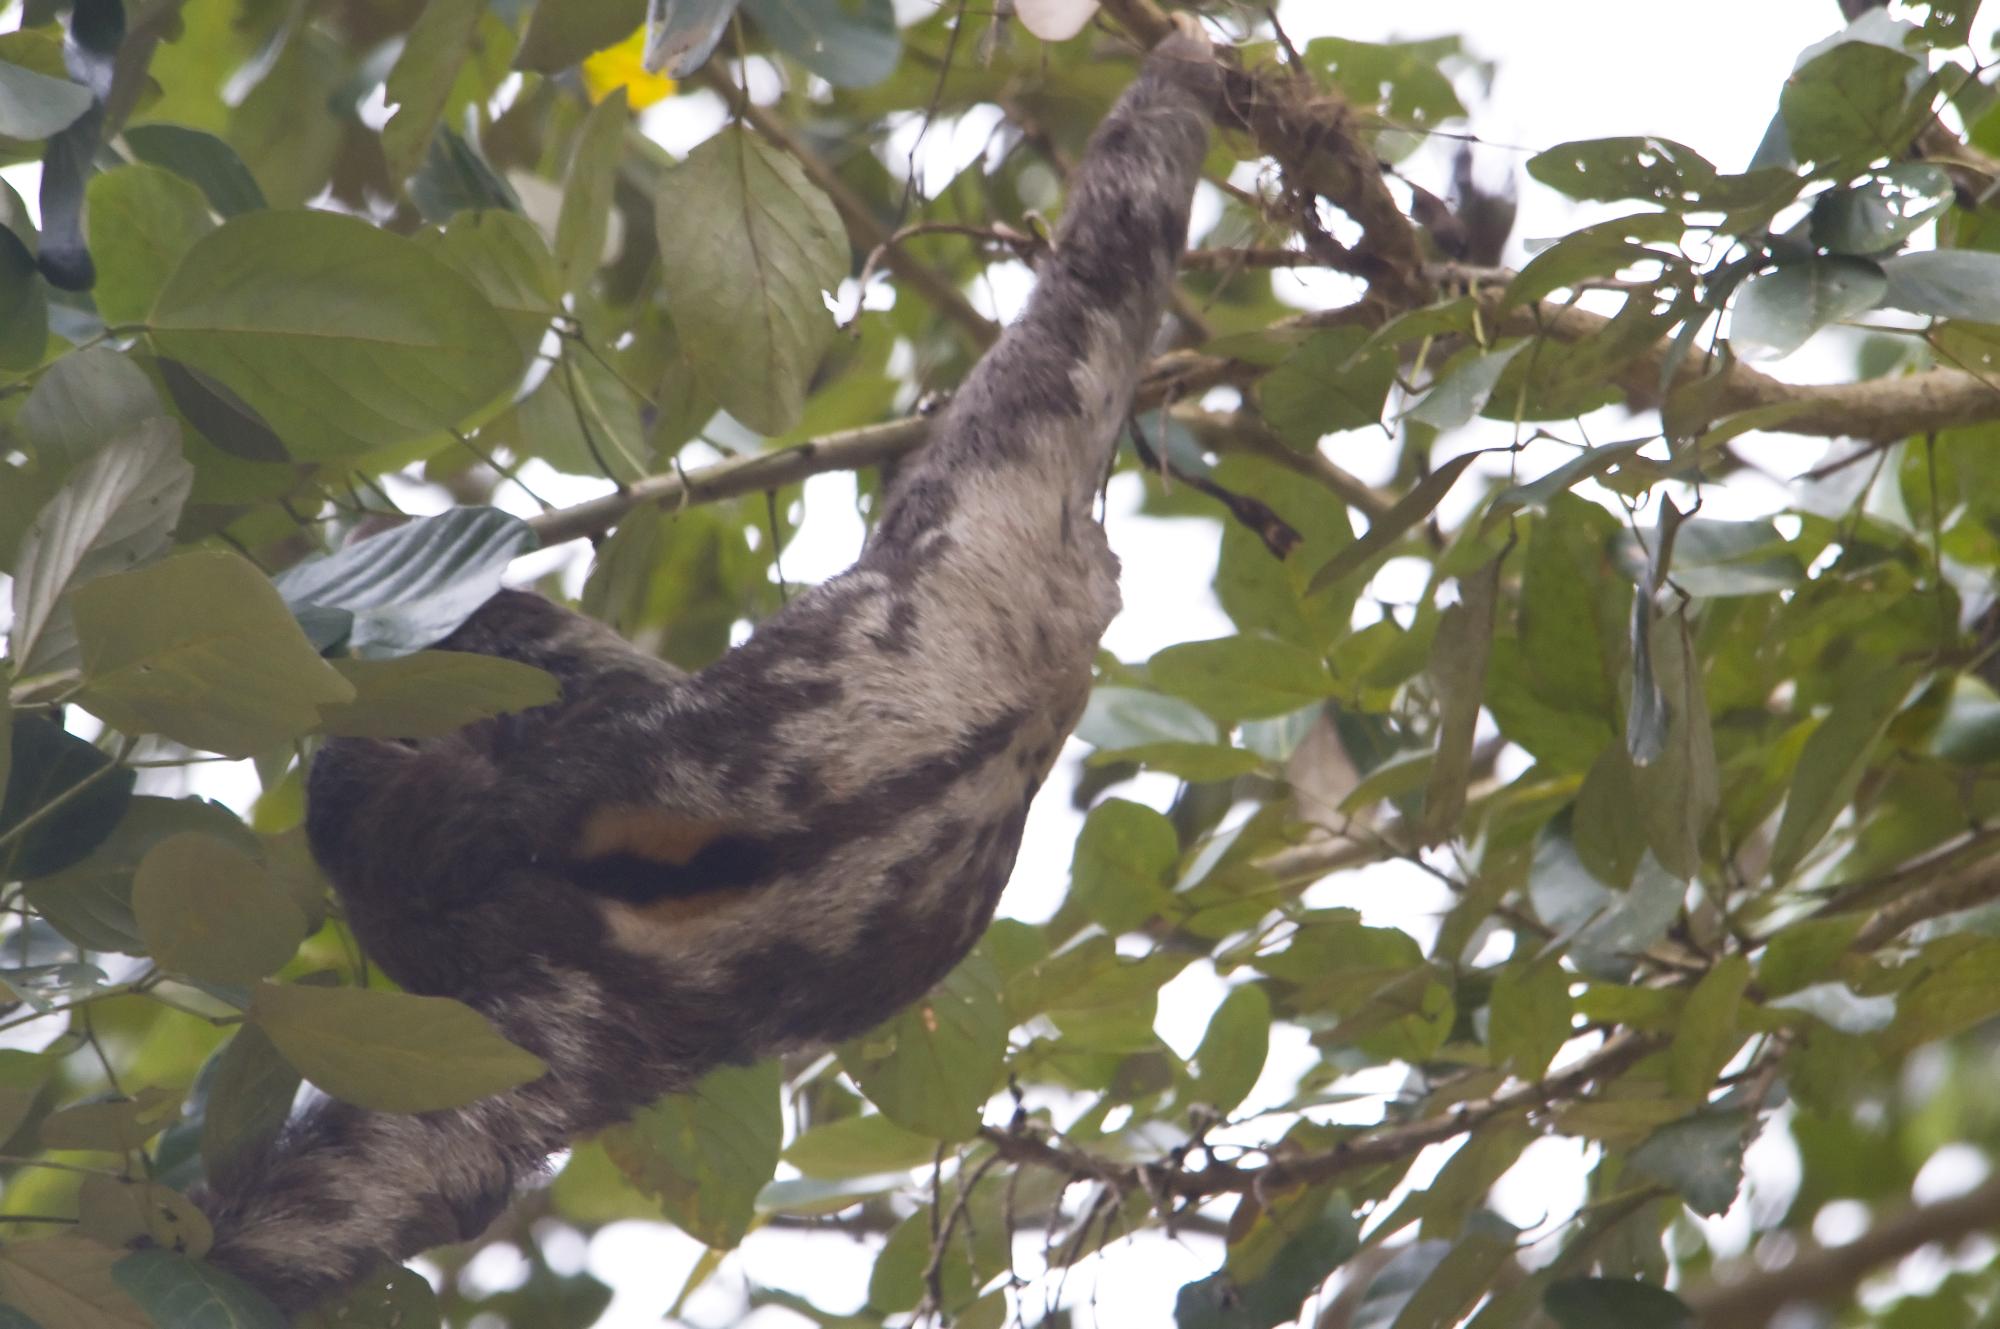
(1829, 1274)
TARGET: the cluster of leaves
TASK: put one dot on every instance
(1690, 782)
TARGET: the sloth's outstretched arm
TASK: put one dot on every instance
(661, 872)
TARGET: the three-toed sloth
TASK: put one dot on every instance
(665, 871)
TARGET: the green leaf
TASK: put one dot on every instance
(65, 1282)
(1678, 790)
(1776, 312)
(49, 765)
(1708, 1033)
(208, 910)
(1878, 214)
(22, 1075)
(1586, 465)
(1463, 1276)
(1700, 1156)
(180, 1293)
(430, 694)
(410, 587)
(1231, 1055)
(1802, 952)
(1615, 1303)
(859, 1147)
(1122, 867)
(249, 1099)
(455, 179)
(114, 1126)
(1266, 594)
(503, 255)
(1851, 103)
(142, 221)
(344, 337)
(84, 402)
(90, 902)
(1413, 507)
(392, 1298)
(1325, 386)
(390, 1051)
(1957, 994)
(420, 84)
(560, 35)
(932, 1067)
(34, 106)
(1529, 1017)
(129, 1213)
(1461, 391)
(1658, 170)
(747, 244)
(1166, 733)
(201, 158)
(1458, 671)
(111, 515)
(849, 43)
(237, 677)
(1242, 677)
(24, 306)
(705, 1154)
(1950, 283)
(586, 197)
(1310, 1252)
(1832, 763)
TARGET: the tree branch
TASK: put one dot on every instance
(1387, 1144)
(1830, 1273)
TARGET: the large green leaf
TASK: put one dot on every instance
(143, 220)
(208, 910)
(65, 1282)
(1834, 759)
(249, 1098)
(201, 648)
(1851, 103)
(90, 902)
(560, 35)
(70, 790)
(586, 199)
(747, 244)
(1950, 283)
(432, 693)
(113, 513)
(932, 1067)
(202, 159)
(390, 1051)
(1615, 1303)
(84, 403)
(343, 336)
(1307, 1248)
(34, 105)
(1241, 677)
(1121, 870)
(1231, 1054)
(180, 1293)
(1776, 312)
(1325, 386)
(705, 1154)
(24, 306)
(849, 43)
(419, 85)
(407, 588)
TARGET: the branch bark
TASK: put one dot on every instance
(1826, 1274)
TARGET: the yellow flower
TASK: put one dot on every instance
(622, 66)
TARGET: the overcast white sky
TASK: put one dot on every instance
(1704, 73)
